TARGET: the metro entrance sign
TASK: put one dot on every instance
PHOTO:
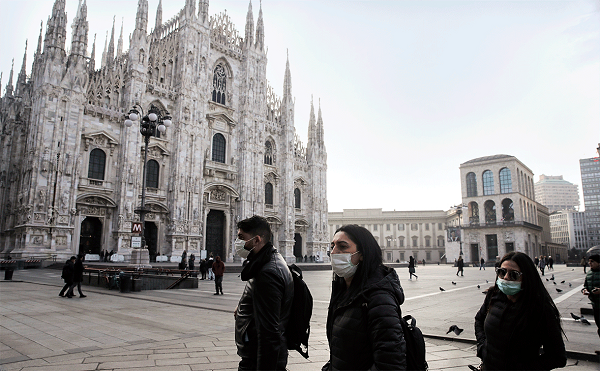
(136, 227)
(136, 242)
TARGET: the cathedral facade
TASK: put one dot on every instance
(71, 171)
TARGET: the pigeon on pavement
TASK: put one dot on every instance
(558, 290)
(563, 281)
(478, 286)
(585, 321)
(442, 289)
(454, 328)
(454, 283)
(575, 317)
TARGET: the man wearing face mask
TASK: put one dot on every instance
(263, 311)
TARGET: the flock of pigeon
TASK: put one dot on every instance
(581, 319)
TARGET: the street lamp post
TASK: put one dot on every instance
(459, 213)
(149, 124)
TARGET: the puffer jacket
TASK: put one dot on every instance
(264, 310)
(78, 271)
(504, 345)
(592, 280)
(363, 326)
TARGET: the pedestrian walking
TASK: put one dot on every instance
(542, 264)
(591, 288)
(218, 269)
(264, 309)
(584, 264)
(550, 263)
(67, 276)
(211, 275)
(203, 268)
(78, 269)
(482, 264)
(460, 263)
(363, 320)
(517, 319)
(191, 262)
(411, 268)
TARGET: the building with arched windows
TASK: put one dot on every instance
(499, 211)
(71, 175)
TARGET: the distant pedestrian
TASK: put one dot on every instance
(210, 262)
(550, 263)
(191, 262)
(423, 262)
(218, 269)
(584, 264)
(203, 268)
(460, 263)
(536, 261)
(542, 264)
(67, 275)
(411, 268)
(305, 258)
(482, 264)
(78, 269)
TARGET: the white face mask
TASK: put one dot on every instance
(341, 264)
(240, 248)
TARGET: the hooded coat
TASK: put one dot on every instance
(363, 324)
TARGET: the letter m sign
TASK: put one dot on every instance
(136, 227)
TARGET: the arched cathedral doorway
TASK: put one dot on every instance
(298, 247)
(151, 237)
(215, 233)
(90, 240)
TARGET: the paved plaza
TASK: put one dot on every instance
(193, 329)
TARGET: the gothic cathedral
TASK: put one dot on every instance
(71, 171)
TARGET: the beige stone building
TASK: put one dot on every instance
(400, 234)
(556, 193)
(71, 171)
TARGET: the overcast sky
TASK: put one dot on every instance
(409, 90)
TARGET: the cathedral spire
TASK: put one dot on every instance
(249, 26)
(103, 61)
(141, 18)
(320, 130)
(203, 11)
(79, 37)
(120, 42)
(9, 86)
(260, 31)
(287, 80)
(22, 78)
(56, 28)
(311, 125)
(110, 54)
(38, 51)
(92, 64)
(158, 22)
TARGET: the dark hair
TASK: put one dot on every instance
(256, 225)
(595, 258)
(369, 249)
(534, 296)
(73, 257)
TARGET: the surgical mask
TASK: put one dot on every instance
(341, 264)
(508, 287)
(240, 248)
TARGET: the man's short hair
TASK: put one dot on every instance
(256, 225)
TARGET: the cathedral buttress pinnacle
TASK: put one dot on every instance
(320, 130)
(249, 26)
(120, 42)
(141, 18)
(158, 21)
(56, 28)
(79, 37)
(22, 78)
(9, 86)
(110, 54)
(203, 11)
(92, 65)
(260, 31)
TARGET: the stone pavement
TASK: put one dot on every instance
(193, 329)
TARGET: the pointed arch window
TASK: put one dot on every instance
(297, 200)
(269, 194)
(97, 164)
(218, 150)
(488, 183)
(508, 211)
(268, 152)
(505, 181)
(471, 185)
(152, 169)
(490, 212)
(219, 84)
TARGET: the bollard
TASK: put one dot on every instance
(8, 274)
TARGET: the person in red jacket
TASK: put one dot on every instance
(218, 268)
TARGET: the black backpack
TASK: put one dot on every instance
(415, 344)
(298, 328)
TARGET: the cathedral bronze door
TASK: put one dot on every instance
(215, 228)
(151, 237)
(298, 247)
(90, 240)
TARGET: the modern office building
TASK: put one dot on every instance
(400, 234)
(71, 170)
(556, 193)
(568, 228)
(590, 185)
(500, 212)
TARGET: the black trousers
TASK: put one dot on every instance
(67, 286)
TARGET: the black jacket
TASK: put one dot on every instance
(363, 326)
(78, 271)
(504, 345)
(264, 310)
(67, 271)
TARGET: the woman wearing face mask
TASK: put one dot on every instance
(517, 318)
(363, 321)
